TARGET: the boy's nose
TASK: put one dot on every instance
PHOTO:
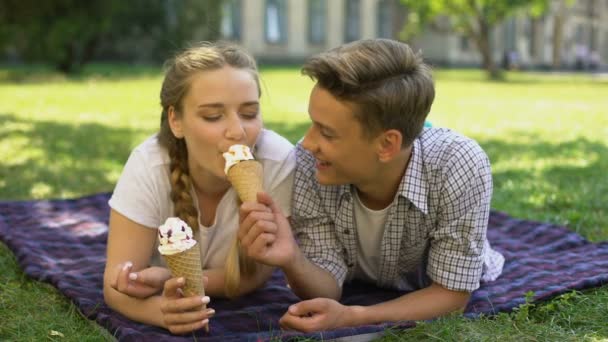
(308, 142)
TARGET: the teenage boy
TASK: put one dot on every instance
(377, 197)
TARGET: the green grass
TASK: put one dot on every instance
(546, 136)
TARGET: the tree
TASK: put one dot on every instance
(474, 18)
(66, 33)
(62, 32)
(562, 10)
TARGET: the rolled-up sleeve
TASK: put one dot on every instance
(456, 255)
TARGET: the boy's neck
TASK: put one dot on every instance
(380, 192)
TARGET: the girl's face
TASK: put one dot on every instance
(220, 109)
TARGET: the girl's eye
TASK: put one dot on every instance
(249, 116)
(212, 118)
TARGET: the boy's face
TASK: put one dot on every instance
(343, 153)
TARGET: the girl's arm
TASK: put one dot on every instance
(134, 243)
(215, 285)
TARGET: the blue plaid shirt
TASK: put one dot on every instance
(436, 226)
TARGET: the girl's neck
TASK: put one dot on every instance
(206, 183)
(209, 192)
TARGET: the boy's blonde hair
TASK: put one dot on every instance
(390, 84)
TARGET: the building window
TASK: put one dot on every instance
(352, 20)
(317, 18)
(532, 37)
(231, 19)
(510, 30)
(384, 19)
(464, 43)
(275, 28)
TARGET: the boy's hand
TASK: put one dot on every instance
(315, 315)
(265, 233)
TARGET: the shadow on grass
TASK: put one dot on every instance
(50, 159)
(47, 158)
(564, 183)
(39, 73)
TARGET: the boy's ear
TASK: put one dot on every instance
(389, 145)
(175, 123)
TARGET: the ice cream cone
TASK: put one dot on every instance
(183, 256)
(187, 264)
(246, 178)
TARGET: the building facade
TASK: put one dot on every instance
(567, 36)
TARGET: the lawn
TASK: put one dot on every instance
(546, 135)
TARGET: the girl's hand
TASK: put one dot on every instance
(140, 284)
(183, 314)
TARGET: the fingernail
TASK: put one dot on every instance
(181, 280)
(205, 300)
(133, 276)
(205, 321)
(127, 266)
(210, 312)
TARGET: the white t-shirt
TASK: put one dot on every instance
(142, 193)
(370, 229)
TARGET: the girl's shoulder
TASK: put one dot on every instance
(273, 147)
(151, 152)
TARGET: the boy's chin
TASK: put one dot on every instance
(329, 180)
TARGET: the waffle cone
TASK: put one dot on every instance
(246, 178)
(187, 264)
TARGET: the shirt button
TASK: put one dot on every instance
(351, 265)
(346, 231)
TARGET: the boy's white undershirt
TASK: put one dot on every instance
(370, 229)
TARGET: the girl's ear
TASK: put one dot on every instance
(389, 145)
(175, 123)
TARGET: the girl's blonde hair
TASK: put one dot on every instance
(179, 71)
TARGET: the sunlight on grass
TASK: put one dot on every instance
(546, 136)
(41, 190)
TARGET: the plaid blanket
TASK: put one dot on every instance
(63, 242)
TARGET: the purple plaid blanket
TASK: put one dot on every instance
(63, 242)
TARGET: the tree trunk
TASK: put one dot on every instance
(558, 35)
(482, 41)
(66, 63)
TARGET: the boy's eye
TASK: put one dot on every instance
(326, 135)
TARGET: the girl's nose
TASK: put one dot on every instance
(235, 129)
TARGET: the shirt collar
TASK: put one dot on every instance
(413, 185)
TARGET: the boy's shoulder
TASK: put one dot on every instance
(441, 147)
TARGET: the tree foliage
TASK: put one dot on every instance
(473, 18)
(67, 33)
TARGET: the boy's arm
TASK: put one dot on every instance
(266, 236)
(325, 314)
(308, 280)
